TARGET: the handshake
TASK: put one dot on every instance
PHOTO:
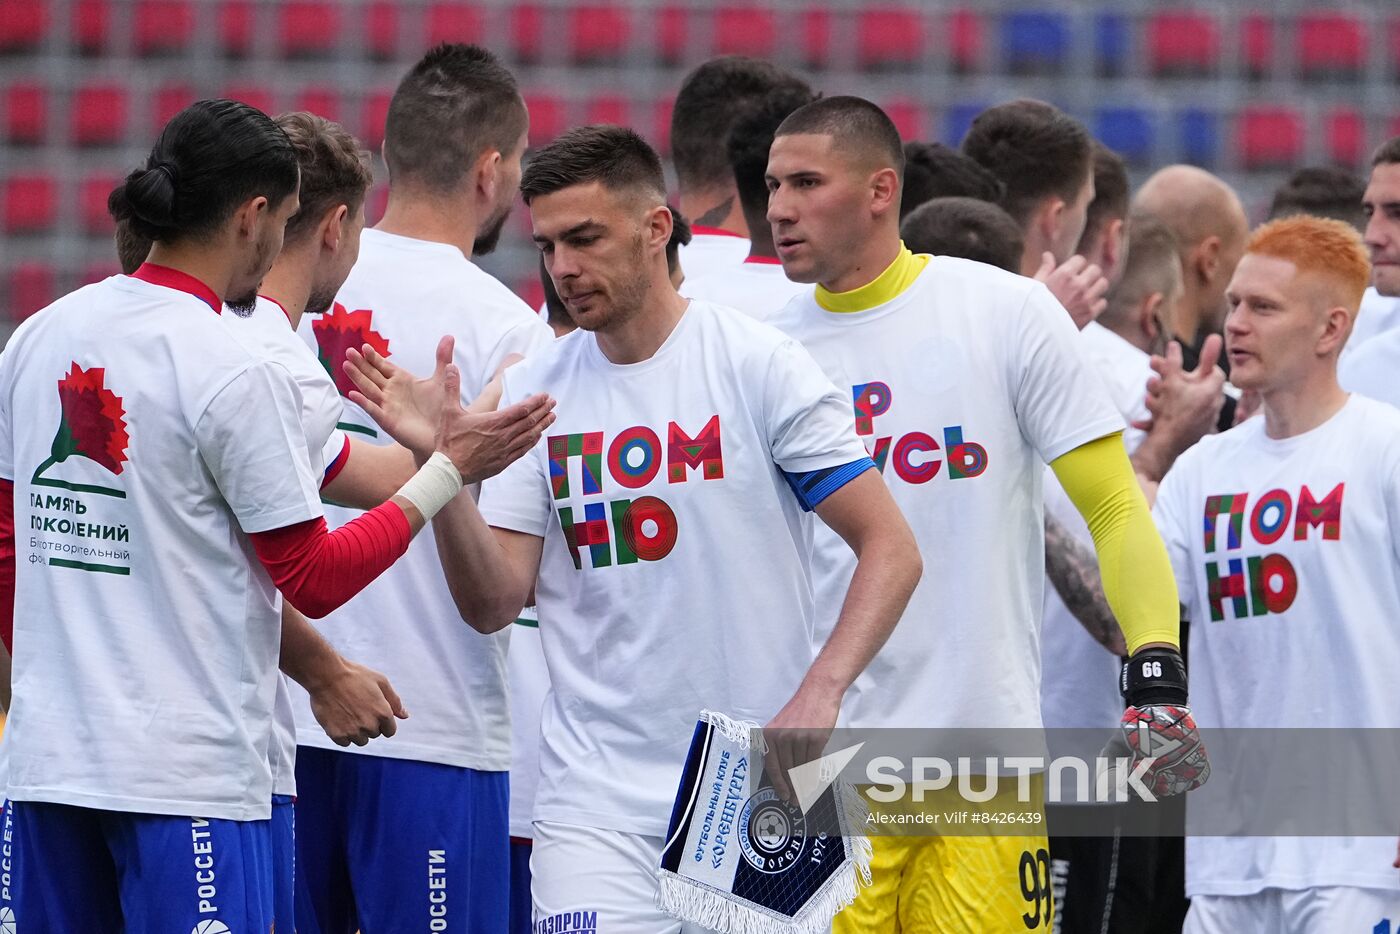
(1157, 727)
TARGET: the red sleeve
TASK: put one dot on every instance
(7, 564)
(317, 570)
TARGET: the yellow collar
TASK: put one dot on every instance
(891, 283)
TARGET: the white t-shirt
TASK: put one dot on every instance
(1303, 529)
(529, 683)
(711, 252)
(402, 296)
(758, 288)
(963, 387)
(674, 575)
(1079, 680)
(146, 632)
(1371, 370)
(1379, 314)
(268, 332)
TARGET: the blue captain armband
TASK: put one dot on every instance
(812, 487)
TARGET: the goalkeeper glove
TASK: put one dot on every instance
(1157, 724)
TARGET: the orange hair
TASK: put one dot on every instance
(1328, 249)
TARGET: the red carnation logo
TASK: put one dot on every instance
(339, 330)
(93, 425)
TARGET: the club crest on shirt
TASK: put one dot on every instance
(913, 454)
(630, 530)
(1261, 584)
(337, 331)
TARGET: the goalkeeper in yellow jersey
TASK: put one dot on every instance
(964, 381)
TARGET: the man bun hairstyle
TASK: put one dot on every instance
(334, 170)
(211, 157)
(1035, 149)
(615, 156)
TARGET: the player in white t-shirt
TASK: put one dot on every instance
(757, 286)
(431, 804)
(710, 98)
(1294, 586)
(965, 381)
(167, 495)
(652, 561)
(1371, 353)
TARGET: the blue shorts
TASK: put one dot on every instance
(284, 859)
(520, 904)
(388, 845)
(79, 869)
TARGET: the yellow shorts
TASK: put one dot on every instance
(954, 882)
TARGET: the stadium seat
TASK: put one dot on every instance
(814, 29)
(237, 27)
(1331, 45)
(547, 117)
(22, 24)
(97, 270)
(375, 204)
(32, 286)
(890, 37)
(381, 30)
(260, 97)
(26, 114)
(1198, 134)
(672, 34)
(1113, 44)
(598, 33)
(374, 113)
(169, 100)
(608, 108)
(526, 32)
(92, 202)
(320, 100)
(957, 120)
(91, 26)
(965, 40)
(1257, 45)
(162, 27)
(31, 203)
(1346, 137)
(745, 30)
(1035, 42)
(453, 22)
(1270, 137)
(99, 115)
(309, 28)
(531, 290)
(1128, 131)
(661, 125)
(909, 117)
(1183, 44)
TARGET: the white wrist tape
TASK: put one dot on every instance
(433, 486)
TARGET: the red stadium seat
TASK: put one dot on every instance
(162, 26)
(238, 27)
(260, 97)
(527, 32)
(92, 202)
(31, 203)
(814, 27)
(32, 286)
(598, 32)
(1257, 44)
(608, 108)
(309, 28)
(91, 27)
(375, 204)
(889, 37)
(320, 100)
(99, 115)
(908, 116)
(374, 113)
(661, 125)
(22, 24)
(531, 289)
(1331, 45)
(1346, 137)
(97, 270)
(1270, 137)
(745, 30)
(547, 117)
(381, 29)
(966, 39)
(453, 22)
(26, 113)
(672, 33)
(169, 100)
(1183, 43)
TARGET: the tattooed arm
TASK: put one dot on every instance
(1073, 569)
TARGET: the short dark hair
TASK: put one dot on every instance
(851, 120)
(211, 157)
(601, 152)
(132, 248)
(750, 139)
(710, 98)
(1323, 191)
(1153, 265)
(965, 227)
(681, 235)
(1110, 193)
(933, 170)
(1035, 149)
(334, 170)
(455, 104)
(1388, 153)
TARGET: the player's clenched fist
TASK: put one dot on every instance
(355, 705)
(1157, 725)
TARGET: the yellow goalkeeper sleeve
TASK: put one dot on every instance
(1137, 574)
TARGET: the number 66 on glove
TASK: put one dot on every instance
(1157, 725)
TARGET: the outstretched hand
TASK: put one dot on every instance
(1078, 284)
(403, 405)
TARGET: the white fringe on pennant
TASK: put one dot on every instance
(740, 732)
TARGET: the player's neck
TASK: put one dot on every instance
(1187, 316)
(873, 261)
(437, 221)
(1303, 406)
(641, 336)
(714, 208)
(288, 283)
(761, 240)
(210, 264)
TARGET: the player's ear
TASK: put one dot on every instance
(1148, 321)
(1205, 259)
(884, 192)
(659, 226)
(248, 215)
(1050, 216)
(333, 227)
(488, 173)
(1335, 328)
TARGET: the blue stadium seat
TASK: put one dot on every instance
(1035, 42)
(1198, 137)
(1128, 131)
(1113, 44)
(957, 120)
